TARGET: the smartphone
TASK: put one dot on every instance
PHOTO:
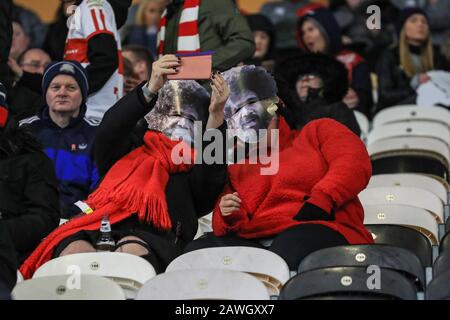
(194, 66)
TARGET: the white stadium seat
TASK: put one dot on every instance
(267, 266)
(201, 284)
(66, 287)
(407, 216)
(128, 270)
(410, 129)
(363, 123)
(411, 113)
(408, 196)
(410, 180)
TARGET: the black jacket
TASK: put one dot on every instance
(189, 195)
(29, 202)
(393, 84)
(5, 40)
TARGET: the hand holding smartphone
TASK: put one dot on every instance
(194, 66)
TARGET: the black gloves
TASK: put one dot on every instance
(310, 212)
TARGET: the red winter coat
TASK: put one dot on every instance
(324, 161)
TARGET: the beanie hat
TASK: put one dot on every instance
(3, 106)
(326, 22)
(259, 22)
(405, 14)
(71, 68)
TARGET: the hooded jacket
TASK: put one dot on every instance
(358, 69)
(329, 105)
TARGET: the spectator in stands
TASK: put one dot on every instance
(141, 59)
(20, 41)
(29, 202)
(402, 68)
(352, 18)
(309, 204)
(216, 26)
(25, 97)
(8, 264)
(64, 132)
(265, 41)
(96, 24)
(6, 34)
(144, 32)
(153, 211)
(312, 86)
(319, 32)
(31, 24)
(55, 39)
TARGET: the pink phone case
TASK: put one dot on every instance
(195, 66)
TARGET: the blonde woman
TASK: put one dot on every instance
(404, 67)
(146, 24)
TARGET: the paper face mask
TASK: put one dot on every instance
(252, 103)
(179, 105)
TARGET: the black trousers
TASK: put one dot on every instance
(292, 245)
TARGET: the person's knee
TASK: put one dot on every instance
(132, 248)
(78, 246)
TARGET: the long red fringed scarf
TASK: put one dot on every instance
(134, 185)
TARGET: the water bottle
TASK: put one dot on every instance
(105, 241)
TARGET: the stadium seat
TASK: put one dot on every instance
(384, 256)
(211, 284)
(127, 270)
(344, 282)
(58, 288)
(407, 216)
(363, 124)
(410, 129)
(204, 225)
(407, 196)
(267, 266)
(411, 155)
(441, 264)
(410, 180)
(445, 242)
(439, 288)
(411, 113)
(19, 277)
(403, 237)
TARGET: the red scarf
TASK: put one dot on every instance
(188, 38)
(351, 60)
(135, 184)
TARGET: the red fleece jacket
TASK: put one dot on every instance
(324, 161)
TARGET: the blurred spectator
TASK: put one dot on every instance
(318, 31)
(312, 86)
(265, 41)
(437, 12)
(34, 61)
(141, 59)
(93, 40)
(6, 34)
(25, 96)
(66, 135)
(283, 16)
(144, 31)
(215, 25)
(20, 41)
(352, 18)
(403, 68)
(55, 39)
(31, 25)
(29, 203)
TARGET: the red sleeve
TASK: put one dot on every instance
(230, 223)
(349, 167)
